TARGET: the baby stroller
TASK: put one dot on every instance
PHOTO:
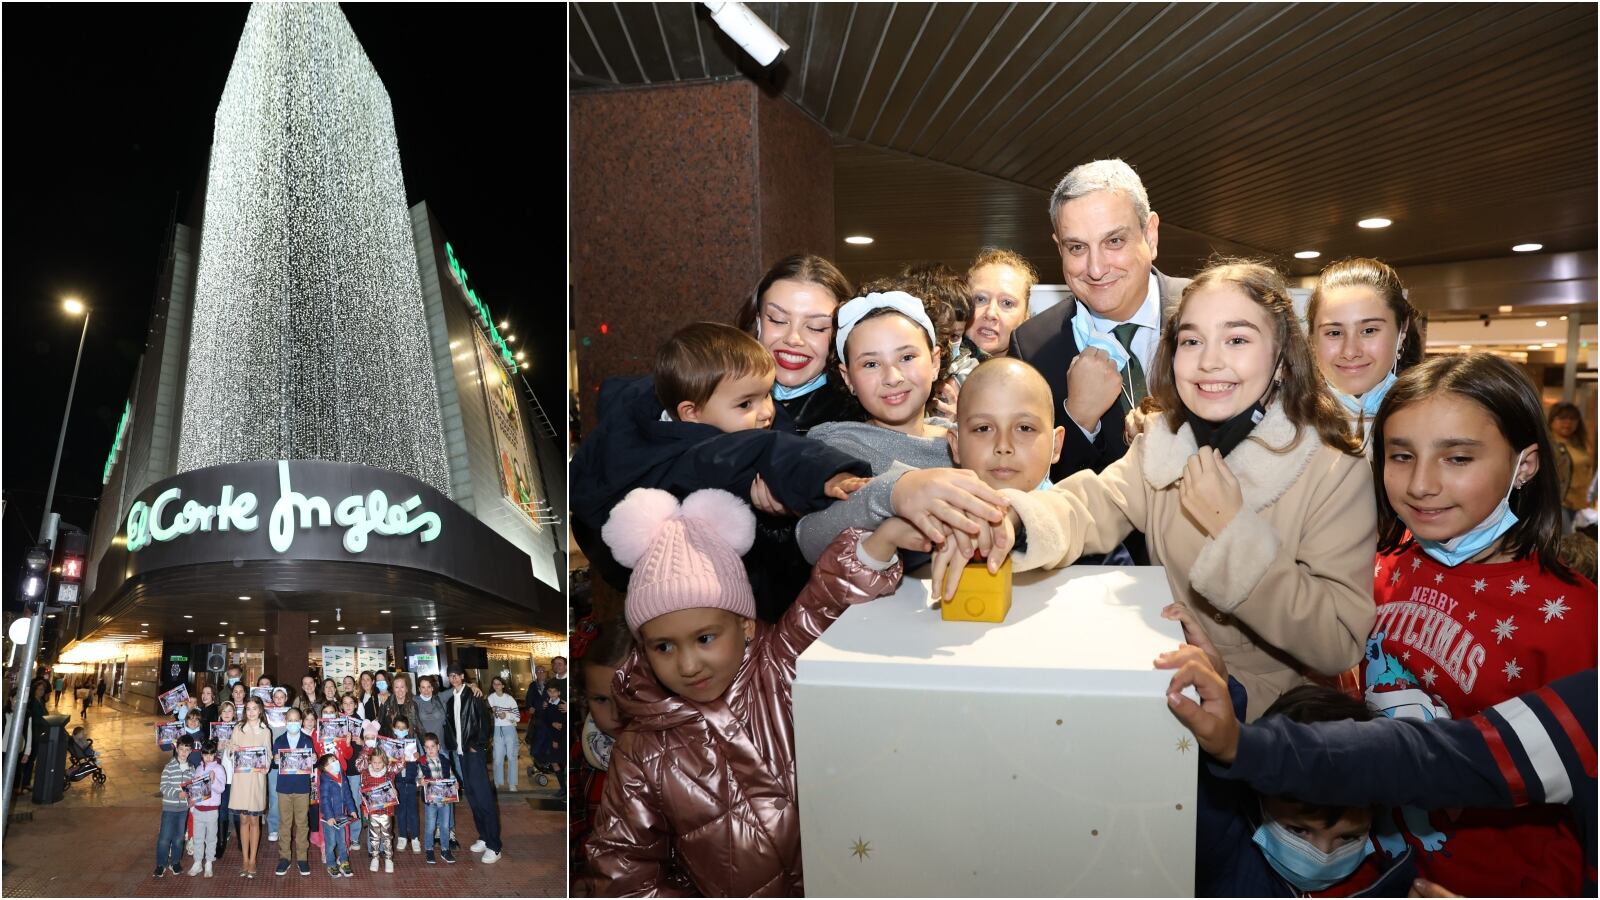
(81, 764)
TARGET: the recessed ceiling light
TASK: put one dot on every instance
(315, 621)
(1463, 346)
(415, 627)
(1308, 254)
(1540, 324)
(261, 629)
(188, 617)
(858, 239)
(222, 623)
(1527, 248)
(1549, 345)
(1563, 318)
(341, 627)
(1534, 346)
(189, 630)
(244, 597)
(1375, 222)
(1505, 309)
(313, 631)
(50, 616)
(383, 612)
(430, 618)
(144, 624)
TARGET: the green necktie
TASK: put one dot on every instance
(1133, 375)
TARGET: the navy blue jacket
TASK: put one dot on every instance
(1227, 861)
(633, 448)
(292, 784)
(1536, 748)
(334, 797)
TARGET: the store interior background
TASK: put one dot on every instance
(1261, 130)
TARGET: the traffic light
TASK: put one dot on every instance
(71, 557)
(35, 573)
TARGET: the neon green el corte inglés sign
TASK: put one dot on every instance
(483, 311)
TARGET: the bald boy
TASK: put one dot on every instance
(1003, 426)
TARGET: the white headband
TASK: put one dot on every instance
(853, 312)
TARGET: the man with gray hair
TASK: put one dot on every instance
(1106, 234)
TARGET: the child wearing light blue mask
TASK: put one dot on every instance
(1473, 607)
(1364, 332)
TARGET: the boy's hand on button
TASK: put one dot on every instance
(945, 500)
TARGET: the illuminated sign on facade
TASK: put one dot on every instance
(359, 514)
(478, 306)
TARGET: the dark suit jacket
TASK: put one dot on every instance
(1046, 343)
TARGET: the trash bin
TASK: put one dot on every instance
(50, 766)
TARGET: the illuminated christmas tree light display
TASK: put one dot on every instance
(309, 338)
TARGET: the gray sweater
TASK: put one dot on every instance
(891, 454)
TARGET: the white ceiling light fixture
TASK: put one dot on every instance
(858, 239)
(1549, 345)
(244, 596)
(1540, 324)
(1375, 222)
(1527, 248)
(1505, 309)
(1307, 254)
(748, 31)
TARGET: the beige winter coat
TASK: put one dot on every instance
(1285, 591)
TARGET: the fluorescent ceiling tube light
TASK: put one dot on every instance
(748, 31)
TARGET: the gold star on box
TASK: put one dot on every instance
(861, 849)
(1184, 745)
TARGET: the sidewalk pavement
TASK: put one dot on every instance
(114, 825)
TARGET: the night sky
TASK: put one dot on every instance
(108, 114)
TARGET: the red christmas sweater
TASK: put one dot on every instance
(1449, 643)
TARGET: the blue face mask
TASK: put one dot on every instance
(293, 727)
(383, 686)
(232, 682)
(1303, 865)
(1465, 546)
(401, 732)
(1367, 404)
(784, 392)
(188, 730)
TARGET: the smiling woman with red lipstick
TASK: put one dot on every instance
(791, 312)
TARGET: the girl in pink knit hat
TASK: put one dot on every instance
(700, 796)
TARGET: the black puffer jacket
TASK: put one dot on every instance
(633, 447)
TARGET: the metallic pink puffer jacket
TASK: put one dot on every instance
(700, 799)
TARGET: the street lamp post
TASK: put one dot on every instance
(19, 715)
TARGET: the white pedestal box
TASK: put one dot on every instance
(1035, 757)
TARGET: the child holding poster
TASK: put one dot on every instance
(294, 757)
(206, 787)
(439, 792)
(379, 799)
(175, 805)
(250, 745)
(336, 810)
(405, 782)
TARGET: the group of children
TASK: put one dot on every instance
(323, 770)
(1294, 560)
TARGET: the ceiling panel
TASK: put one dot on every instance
(1266, 127)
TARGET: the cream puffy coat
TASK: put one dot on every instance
(1284, 592)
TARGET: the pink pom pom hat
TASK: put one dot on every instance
(683, 555)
